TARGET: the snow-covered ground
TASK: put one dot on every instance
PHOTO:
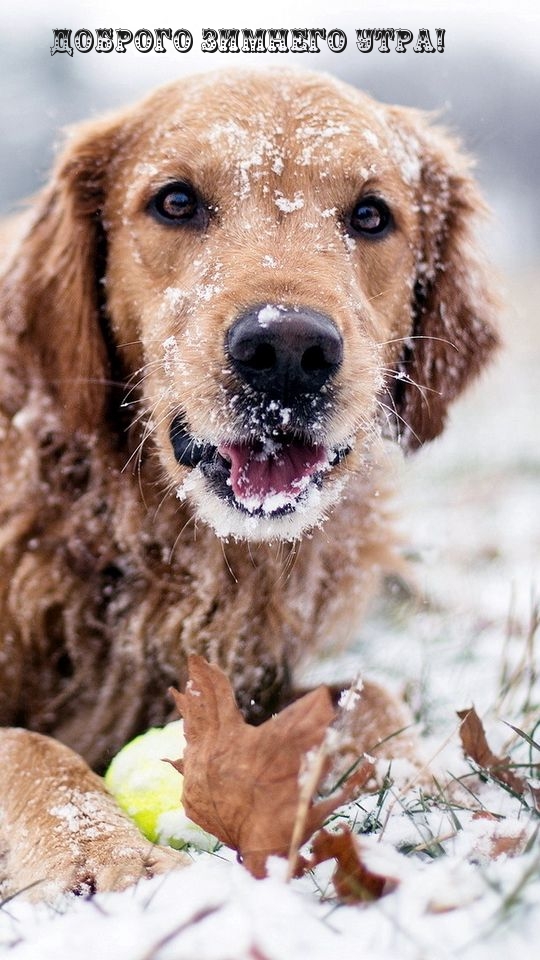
(471, 515)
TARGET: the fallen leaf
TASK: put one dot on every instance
(243, 783)
(508, 846)
(475, 746)
(353, 881)
(498, 841)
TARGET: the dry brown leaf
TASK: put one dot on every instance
(475, 746)
(508, 846)
(241, 783)
(498, 842)
(353, 881)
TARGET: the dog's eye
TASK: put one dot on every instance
(176, 203)
(371, 217)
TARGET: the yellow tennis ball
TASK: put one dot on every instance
(144, 786)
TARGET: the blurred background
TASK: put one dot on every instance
(472, 499)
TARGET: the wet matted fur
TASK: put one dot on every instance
(125, 540)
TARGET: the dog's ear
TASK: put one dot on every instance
(453, 306)
(51, 290)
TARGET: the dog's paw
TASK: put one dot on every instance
(61, 831)
(116, 869)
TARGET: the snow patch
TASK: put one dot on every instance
(269, 314)
(286, 205)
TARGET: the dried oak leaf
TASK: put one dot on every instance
(353, 881)
(475, 746)
(241, 783)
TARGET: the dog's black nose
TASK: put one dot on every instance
(284, 351)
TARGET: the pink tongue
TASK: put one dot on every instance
(257, 475)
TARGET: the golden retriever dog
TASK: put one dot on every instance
(222, 301)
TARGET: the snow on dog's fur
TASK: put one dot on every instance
(159, 495)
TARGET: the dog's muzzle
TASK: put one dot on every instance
(283, 360)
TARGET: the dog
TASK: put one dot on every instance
(222, 302)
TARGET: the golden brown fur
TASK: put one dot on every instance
(111, 324)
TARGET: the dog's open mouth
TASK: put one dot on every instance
(266, 477)
(270, 474)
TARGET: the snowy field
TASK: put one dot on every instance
(465, 865)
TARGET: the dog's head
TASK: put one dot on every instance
(280, 265)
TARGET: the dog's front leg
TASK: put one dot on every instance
(59, 828)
